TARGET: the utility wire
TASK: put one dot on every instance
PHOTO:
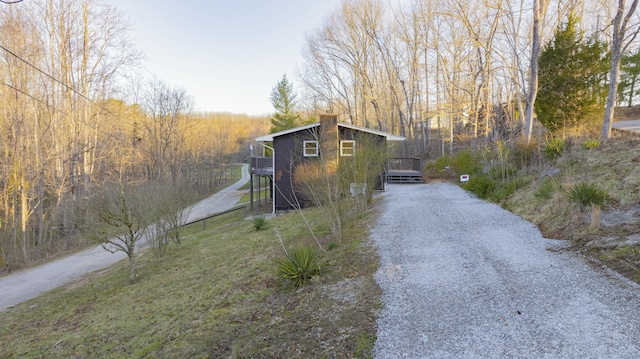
(70, 89)
(66, 114)
(10, 2)
(58, 81)
(67, 87)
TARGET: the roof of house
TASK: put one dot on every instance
(388, 136)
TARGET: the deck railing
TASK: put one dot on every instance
(404, 164)
(261, 164)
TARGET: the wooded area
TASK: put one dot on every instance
(449, 70)
(77, 115)
(73, 119)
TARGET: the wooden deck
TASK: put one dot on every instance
(406, 176)
(262, 166)
(404, 170)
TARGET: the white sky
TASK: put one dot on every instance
(227, 54)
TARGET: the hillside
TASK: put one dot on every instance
(608, 234)
(216, 296)
(554, 183)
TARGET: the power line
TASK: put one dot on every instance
(10, 2)
(70, 89)
(66, 114)
(58, 81)
(67, 87)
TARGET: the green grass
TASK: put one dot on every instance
(246, 198)
(216, 296)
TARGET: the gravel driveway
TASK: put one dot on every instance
(463, 278)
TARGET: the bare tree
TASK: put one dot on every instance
(619, 44)
(167, 109)
(539, 11)
(118, 217)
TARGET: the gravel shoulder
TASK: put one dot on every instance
(30, 283)
(463, 278)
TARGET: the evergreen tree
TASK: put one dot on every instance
(572, 79)
(284, 101)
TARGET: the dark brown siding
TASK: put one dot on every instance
(289, 153)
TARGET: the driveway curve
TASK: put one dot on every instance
(30, 283)
(463, 278)
(632, 125)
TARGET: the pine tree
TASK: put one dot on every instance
(572, 79)
(283, 99)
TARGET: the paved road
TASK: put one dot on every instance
(463, 278)
(24, 285)
(633, 125)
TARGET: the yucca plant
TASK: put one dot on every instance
(259, 222)
(587, 195)
(300, 266)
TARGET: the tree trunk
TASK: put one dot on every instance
(613, 92)
(539, 8)
(620, 24)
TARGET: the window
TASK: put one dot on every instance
(347, 148)
(310, 148)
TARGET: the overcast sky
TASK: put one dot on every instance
(227, 54)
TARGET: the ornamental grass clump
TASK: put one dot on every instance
(553, 148)
(299, 266)
(259, 223)
(587, 195)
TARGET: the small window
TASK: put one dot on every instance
(347, 148)
(310, 148)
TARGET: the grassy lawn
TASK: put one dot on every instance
(216, 296)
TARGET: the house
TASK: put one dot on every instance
(328, 141)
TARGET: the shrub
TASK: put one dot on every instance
(593, 143)
(299, 266)
(524, 153)
(158, 240)
(481, 185)
(553, 148)
(259, 222)
(442, 163)
(466, 163)
(503, 191)
(587, 195)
